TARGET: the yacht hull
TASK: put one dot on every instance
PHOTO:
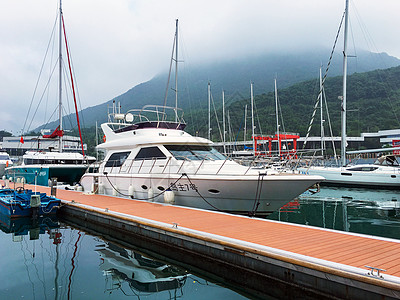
(261, 195)
(42, 174)
(335, 176)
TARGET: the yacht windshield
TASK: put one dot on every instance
(194, 152)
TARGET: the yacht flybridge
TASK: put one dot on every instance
(150, 157)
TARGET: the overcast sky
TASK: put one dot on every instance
(120, 43)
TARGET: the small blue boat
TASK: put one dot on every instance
(23, 203)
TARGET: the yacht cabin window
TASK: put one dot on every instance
(4, 157)
(49, 161)
(117, 159)
(364, 169)
(194, 152)
(149, 153)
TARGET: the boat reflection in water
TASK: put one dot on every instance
(373, 212)
(124, 267)
(20, 227)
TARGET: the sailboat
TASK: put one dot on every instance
(39, 167)
(150, 157)
(384, 173)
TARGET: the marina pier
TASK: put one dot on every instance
(264, 257)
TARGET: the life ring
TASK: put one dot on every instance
(104, 138)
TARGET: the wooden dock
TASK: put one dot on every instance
(255, 253)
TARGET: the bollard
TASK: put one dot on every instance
(53, 186)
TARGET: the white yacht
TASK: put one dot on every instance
(384, 173)
(151, 158)
(5, 162)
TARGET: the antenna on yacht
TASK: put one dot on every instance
(344, 141)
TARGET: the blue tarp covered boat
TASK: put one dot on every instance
(23, 202)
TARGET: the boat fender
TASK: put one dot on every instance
(150, 194)
(10, 179)
(101, 188)
(18, 180)
(4, 177)
(23, 180)
(115, 191)
(79, 188)
(7, 183)
(131, 191)
(169, 197)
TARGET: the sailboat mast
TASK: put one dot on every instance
(223, 119)
(277, 119)
(176, 71)
(344, 141)
(252, 111)
(245, 124)
(60, 142)
(209, 111)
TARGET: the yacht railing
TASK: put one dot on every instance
(188, 166)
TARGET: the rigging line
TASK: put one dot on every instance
(258, 117)
(330, 125)
(170, 69)
(50, 64)
(323, 81)
(371, 45)
(193, 116)
(73, 88)
(40, 73)
(41, 98)
(77, 93)
(216, 117)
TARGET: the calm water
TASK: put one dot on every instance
(50, 260)
(54, 261)
(373, 212)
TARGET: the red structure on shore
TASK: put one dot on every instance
(285, 152)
